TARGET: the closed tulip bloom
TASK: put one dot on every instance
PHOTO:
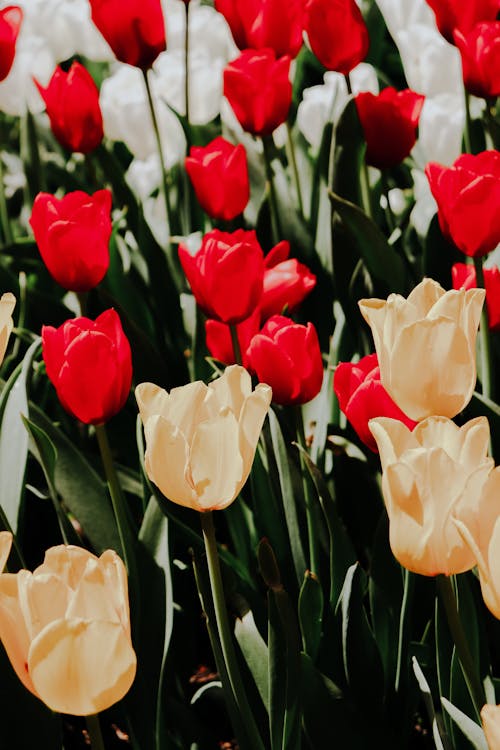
(464, 276)
(256, 24)
(72, 234)
(226, 274)
(66, 629)
(480, 51)
(426, 347)
(337, 33)
(430, 476)
(490, 716)
(134, 29)
(467, 196)
(90, 365)
(10, 23)
(7, 304)
(389, 121)
(362, 397)
(451, 15)
(219, 341)
(219, 175)
(201, 440)
(72, 102)
(258, 88)
(287, 356)
(286, 281)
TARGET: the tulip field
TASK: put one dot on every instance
(250, 374)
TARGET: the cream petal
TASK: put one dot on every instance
(180, 407)
(13, 632)
(42, 598)
(425, 295)
(252, 418)
(115, 575)
(475, 436)
(91, 600)
(474, 301)
(7, 304)
(490, 580)
(393, 438)
(5, 545)
(401, 483)
(167, 461)
(232, 388)
(67, 562)
(374, 311)
(439, 431)
(490, 716)
(151, 399)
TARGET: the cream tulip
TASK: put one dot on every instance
(490, 716)
(201, 440)
(426, 347)
(66, 629)
(7, 304)
(430, 476)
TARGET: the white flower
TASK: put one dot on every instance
(440, 130)
(431, 65)
(402, 14)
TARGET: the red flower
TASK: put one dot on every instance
(286, 356)
(389, 123)
(219, 174)
(337, 33)
(286, 281)
(451, 14)
(362, 397)
(259, 90)
(256, 24)
(134, 29)
(90, 366)
(226, 274)
(480, 51)
(219, 341)
(72, 234)
(468, 195)
(464, 276)
(10, 23)
(72, 102)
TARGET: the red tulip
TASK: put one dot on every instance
(259, 90)
(256, 24)
(219, 341)
(286, 356)
(362, 397)
(462, 15)
(134, 29)
(480, 51)
(337, 33)
(90, 366)
(226, 274)
(468, 195)
(389, 123)
(464, 276)
(72, 102)
(219, 174)
(72, 234)
(286, 281)
(10, 22)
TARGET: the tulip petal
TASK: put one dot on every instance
(180, 406)
(5, 545)
(425, 295)
(393, 438)
(252, 418)
(232, 388)
(13, 632)
(67, 562)
(91, 600)
(116, 579)
(42, 598)
(167, 461)
(490, 716)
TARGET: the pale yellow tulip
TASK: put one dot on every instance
(490, 716)
(7, 304)
(426, 347)
(430, 476)
(66, 629)
(5, 545)
(201, 440)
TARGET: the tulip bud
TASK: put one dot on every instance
(219, 341)
(480, 52)
(276, 24)
(201, 440)
(7, 304)
(490, 716)
(451, 15)
(10, 23)
(90, 365)
(286, 281)
(337, 33)
(464, 277)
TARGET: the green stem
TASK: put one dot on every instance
(94, 730)
(225, 633)
(236, 344)
(311, 508)
(270, 189)
(186, 64)
(295, 171)
(348, 84)
(468, 124)
(389, 216)
(364, 184)
(404, 630)
(4, 212)
(487, 374)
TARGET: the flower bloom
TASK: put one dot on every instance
(464, 276)
(10, 22)
(7, 304)
(259, 90)
(276, 24)
(201, 440)
(72, 234)
(72, 102)
(389, 121)
(219, 341)
(362, 397)
(480, 51)
(286, 281)
(287, 356)
(430, 476)
(490, 717)
(226, 274)
(467, 195)
(90, 365)
(451, 15)
(337, 33)
(219, 175)
(426, 347)
(134, 29)
(66, 629)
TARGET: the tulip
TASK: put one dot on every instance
(134, 29)
(72, 234)
(480, 51)
(362, 397)
(10, 23)
(226, 274)
(389, 121)
(7, 304)
(464, 277)
(286, 281)
(426, 347)
(201, 440)
(467, 195)
(66, 629)
(490, 716)
(219, 174)
(430, 476)
(337, 33)
(451, 15)
(90, 365)
(72, 102)
(287, 356)
(276, 24)
(5, 545)
(258, 89)
(219, 341)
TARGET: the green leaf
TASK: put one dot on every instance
(471, 730)
(254, 649)
(311, 614)
(441, 739)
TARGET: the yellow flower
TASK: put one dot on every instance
(426, 347)
(66, 629)
(429, 476)
(490, 716)
(201, 440)
(7, 304)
